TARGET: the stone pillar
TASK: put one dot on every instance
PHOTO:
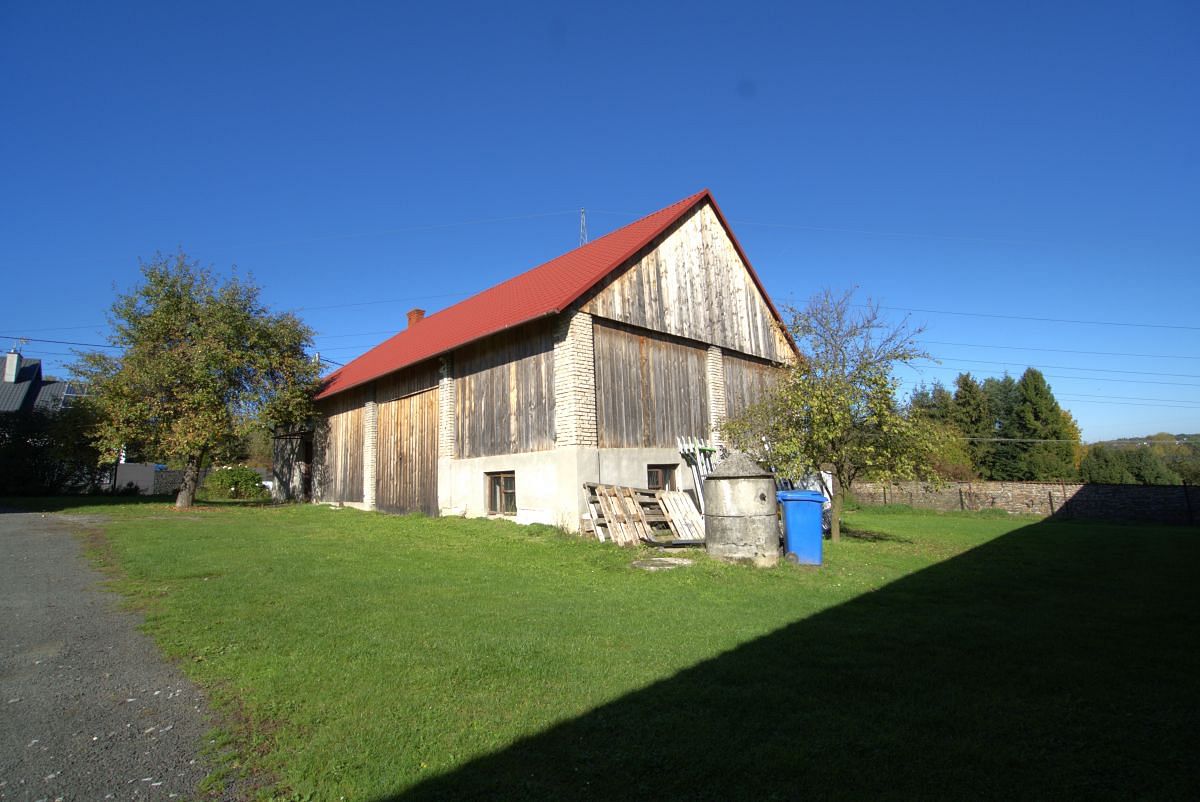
(370, 443)
(715, 378)
(574, 381)
(447, 441)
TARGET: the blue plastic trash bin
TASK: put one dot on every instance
(802, 524)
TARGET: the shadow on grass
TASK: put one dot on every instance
(1057, 661)
(872, 537)
(65, 503)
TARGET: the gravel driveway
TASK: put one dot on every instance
(89, 710)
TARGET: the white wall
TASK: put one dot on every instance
(550, 483)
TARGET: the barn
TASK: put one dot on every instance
(584, 369)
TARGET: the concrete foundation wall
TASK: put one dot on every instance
(550, 483)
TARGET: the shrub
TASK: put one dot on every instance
(233, 482)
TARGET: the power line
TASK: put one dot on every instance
(1013, 440)
(401, 230)
(874, 233)
(857, 231)
(1077, 378)
(1064, 350)
(384, 301)
(56, 342)
(1042, 319)
(1071, 367)
(1084, 401)
(389, 332)
(70, 328)
(39, 353)
(1130, 398)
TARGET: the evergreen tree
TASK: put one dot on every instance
(974, 420)
(949, 458)
(1005, 458)
(1039, 419)
(935, 403)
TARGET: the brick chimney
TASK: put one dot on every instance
(415, 316)
(12, 366)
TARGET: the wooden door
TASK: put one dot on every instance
(406, 454)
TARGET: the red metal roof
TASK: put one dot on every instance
(545, 290)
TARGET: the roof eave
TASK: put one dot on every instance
(323, 394)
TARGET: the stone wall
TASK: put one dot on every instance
(1149, 503)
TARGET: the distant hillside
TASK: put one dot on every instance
(1178, 453)
(1162, 438)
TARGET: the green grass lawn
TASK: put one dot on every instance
(368, 657)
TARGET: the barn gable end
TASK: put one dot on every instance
(694, 284)
(584, 369)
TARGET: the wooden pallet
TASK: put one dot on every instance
(629, 515)
(683, 516)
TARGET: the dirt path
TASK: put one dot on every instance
(88, 707)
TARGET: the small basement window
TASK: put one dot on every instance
(660, 477)
(502, 493)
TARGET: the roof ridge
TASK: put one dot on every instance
(689, 200)
(543, 290)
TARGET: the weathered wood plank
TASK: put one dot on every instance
(747, 381)
(693, 284)
(685, 519)
(649, 389)
(337, 447)
(504, 394)
(406, 468)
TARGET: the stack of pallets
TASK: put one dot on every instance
(631, 515)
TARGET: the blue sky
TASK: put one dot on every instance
(1018, 160)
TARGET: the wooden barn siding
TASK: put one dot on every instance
(341, 447)
(649, 390)
(693, 284)
(504, 393)
(746, 382)
(406, 454)
(406, 382)
(406, 446)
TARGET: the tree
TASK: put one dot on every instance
(1048, 436)
(46, 453)
(836, 407)
(1138, 465)
(1148, 468)
(1105, 465)
(934, 402)
(1005, 456)
(1180, 454)
(201, 362)
(973, 417)
(934, 406)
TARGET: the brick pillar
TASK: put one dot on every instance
(370, 443)
(447, 442)
(715, 377)
(574, 381)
